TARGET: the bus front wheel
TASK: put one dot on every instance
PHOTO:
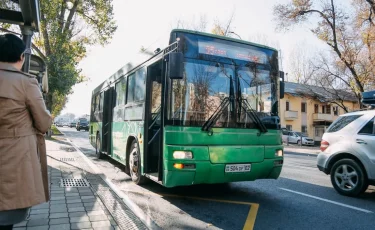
(135, 164)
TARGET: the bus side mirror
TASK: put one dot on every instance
(176, 65)
(282, 85)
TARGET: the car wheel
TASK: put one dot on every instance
(98, 147)
(348, 177)
(134, 160)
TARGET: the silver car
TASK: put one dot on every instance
(348, 152)
(297, 138)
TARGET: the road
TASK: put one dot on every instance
(302, 198)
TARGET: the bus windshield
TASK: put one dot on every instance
(207, 84)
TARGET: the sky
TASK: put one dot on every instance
(148, 23)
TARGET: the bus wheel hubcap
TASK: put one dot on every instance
(133, 162)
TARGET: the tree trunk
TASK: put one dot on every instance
(49, 101)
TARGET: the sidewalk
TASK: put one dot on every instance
(80, 199)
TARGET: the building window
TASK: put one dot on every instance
(328, 109)
(304, 129)
(303, 107)
(336, 110)
(289, 127)
(287, 106)
(316, 108)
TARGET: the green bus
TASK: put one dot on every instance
(203, 110)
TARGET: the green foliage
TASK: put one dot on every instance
(65, 35)
(55, 130)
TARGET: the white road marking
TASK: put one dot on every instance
(329, 201)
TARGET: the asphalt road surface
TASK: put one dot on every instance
(302, 198)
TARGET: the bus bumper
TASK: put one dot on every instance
(204, 172)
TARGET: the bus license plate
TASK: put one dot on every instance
(237, 168)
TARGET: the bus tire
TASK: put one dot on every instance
(98, 145)
(134, 162)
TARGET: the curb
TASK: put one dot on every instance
(146, 220)
(301, 154)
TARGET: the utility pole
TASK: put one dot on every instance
(27, 34)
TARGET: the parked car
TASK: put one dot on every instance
(348, 152)
(296, 138)
(82, 124)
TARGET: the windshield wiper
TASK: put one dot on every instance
(247, 107)
(208, 124)
(254, 116)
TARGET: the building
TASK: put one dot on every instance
(311, 109)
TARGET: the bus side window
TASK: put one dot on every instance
(97, 103)
(140, 85)
(121, 92)
(101, 103)
(131, 87)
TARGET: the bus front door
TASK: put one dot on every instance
(107, 118)
(153, 129)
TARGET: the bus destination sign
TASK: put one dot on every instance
(232, 51)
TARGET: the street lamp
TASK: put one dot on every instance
(231, 32)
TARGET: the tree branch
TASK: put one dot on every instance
(372, 4)
(47, 43)
(70, 17)
(61, 17)
(229, 23)
(320, 13)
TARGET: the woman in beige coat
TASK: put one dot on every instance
(23, 120)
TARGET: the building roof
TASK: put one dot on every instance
(318, 93)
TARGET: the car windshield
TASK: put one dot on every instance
(301, 134)
(83, 121)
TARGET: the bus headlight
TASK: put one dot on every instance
(182, 155)
(279, 153)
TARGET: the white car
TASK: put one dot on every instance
(348, 152)
(297, 138)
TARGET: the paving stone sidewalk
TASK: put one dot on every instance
(87, 202)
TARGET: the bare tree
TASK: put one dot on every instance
(264, 40)
(301, 69)
(223, 28)
(333, 82)
(337, 29)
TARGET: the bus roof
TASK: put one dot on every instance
(127, 68)
(223, 37)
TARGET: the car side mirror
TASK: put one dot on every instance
(175, 65)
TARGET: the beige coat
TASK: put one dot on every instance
(23, 121)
